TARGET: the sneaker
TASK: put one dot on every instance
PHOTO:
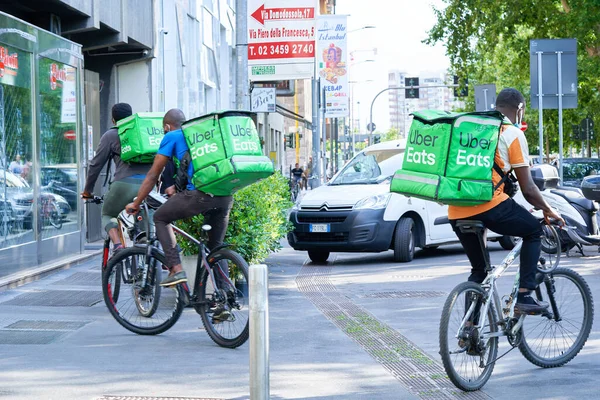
(174, 279)
(527, 304)
(220, 313)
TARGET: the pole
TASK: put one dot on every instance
(541, 110)
(323, 135)
(560, 117)
(316, 149)
(297, 134)
(485, 98)
(259, 332)
(242, 99)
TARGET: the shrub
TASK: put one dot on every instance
(257, 223)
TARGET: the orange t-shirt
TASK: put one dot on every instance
(512, 152)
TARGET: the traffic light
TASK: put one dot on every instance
(411, 93)
(376, 139)
(346, 130)
(576, 133)
(289, 140)
(462, 91)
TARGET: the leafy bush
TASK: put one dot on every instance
(257, 222)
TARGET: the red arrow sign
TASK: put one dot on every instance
(263, 14)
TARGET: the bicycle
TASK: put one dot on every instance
(473, 317)
(50, 212)
(219, 293)
(294, 189)
(130, 233)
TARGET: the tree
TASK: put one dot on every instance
(489, 43)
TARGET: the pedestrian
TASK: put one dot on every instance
(297, 175)
(16, 166)
(127, 179)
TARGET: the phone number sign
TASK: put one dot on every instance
(281, 39)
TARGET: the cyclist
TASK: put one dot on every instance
(502, 214)
(297, 175)
(187, 203)
(128, 176)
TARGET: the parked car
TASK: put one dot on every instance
(62, 180)
(356, 212)
(20, 196)
(575, 169)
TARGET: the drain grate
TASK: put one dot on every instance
(82, 279)
(153, 398)
(48, 325)
(29, 337)
(404, 294)
(57, 298)
(416, 371)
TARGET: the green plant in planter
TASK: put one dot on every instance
(257, 222)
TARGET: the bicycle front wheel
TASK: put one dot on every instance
(127, 270)
(225, 310)
(468, 359)
(553, 339)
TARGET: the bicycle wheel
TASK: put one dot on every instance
(232, 301)
(467, 359)
(130, 265)
(55, 218)
(550, 249)
(548, 342)
(147, 296)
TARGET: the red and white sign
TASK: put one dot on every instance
(523, 126)
(9, 63)
(69, 135)
(281, 39)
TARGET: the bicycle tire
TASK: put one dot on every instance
(55, 218)
(447, 335)
(550, 249)
(148, 303)
(234, 331)
(125, 311)
(531, 348)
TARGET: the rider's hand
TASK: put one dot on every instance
(170, 191)
(552, 215)
(132, 208)
(86, 195)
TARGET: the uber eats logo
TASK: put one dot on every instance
(125, 146)
(469, 155)
(243, 138)
(199, 143)
(421, 157)
(155, 135)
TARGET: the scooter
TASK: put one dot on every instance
(577, 209)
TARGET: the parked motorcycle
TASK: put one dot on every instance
(578, 207)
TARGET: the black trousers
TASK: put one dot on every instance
(507, 218)
(187, 204)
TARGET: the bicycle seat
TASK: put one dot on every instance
(470, 226)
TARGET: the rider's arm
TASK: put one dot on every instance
(150, 181)
(532, 193)
(103, 153)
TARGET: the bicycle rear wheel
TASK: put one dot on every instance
(550, 343)
(155, 316)
(231, 302)
(467, 359)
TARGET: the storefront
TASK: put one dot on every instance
(41, 141)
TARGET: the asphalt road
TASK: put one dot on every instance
(360, 327)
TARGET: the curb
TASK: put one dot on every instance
(33, 274)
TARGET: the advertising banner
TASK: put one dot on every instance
(263, 100)
(281, 39)
(332, 67)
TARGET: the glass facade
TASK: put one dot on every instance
(40, 136)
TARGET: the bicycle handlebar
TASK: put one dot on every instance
(94, 200)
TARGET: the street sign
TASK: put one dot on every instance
(332, 64)
(371, 127)
(547, 51)
(70, 135)
(411, 93)
(524, 126)
(281, 39)
(485, 97)
(263, 100)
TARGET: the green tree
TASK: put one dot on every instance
(488, 42)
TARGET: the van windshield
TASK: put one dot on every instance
(372, 167)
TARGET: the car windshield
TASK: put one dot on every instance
(370, 167)
(576, 171)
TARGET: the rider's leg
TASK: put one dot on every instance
(470, 244)
(118, 196)
(218, 219)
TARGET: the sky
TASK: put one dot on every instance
(397, 37)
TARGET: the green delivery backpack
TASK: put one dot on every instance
(140, 136)
(225, 152)
(449, 157)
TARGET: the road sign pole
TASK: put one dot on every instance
(560, 118)
(316, 148)
(541, 107)
(485, 99)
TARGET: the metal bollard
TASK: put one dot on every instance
(259, 332)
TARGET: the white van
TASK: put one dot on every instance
(356, 212)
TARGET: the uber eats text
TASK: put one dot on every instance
(154, 136)
(243, 139)
(464, 157)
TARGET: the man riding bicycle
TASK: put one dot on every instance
(128, 176)
(186, 203)
(502, 214)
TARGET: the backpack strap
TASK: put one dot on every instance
(182, 178)
(503, 176)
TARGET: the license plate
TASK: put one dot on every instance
(319, 227)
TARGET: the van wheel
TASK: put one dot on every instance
(507, 242)
(318, 257)
(404, 240)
